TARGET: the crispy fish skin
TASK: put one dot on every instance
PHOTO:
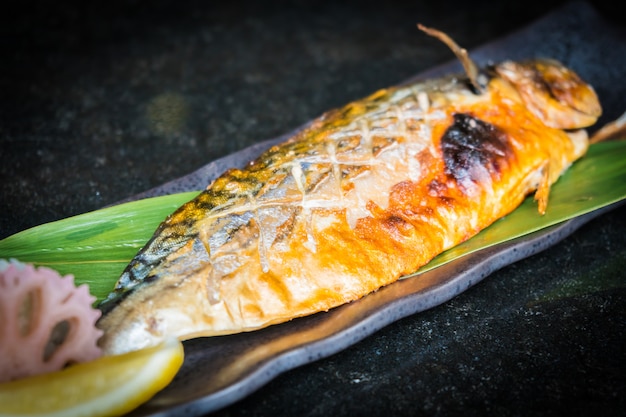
(364, 195)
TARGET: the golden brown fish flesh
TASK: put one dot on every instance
(364, 195)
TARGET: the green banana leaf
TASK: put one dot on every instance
(96, 246)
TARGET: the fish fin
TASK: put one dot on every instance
(471, 69)
(611, 130)
(543, 190)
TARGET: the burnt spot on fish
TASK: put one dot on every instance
(396, 225)
(474, 151)
(436, 188)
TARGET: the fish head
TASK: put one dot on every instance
(553, 92)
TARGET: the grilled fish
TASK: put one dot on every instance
(365, 194)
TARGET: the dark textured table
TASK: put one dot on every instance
(101, 102)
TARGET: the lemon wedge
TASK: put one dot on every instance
(107, 386)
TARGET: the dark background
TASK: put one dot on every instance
(100, 101)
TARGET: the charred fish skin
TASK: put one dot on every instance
(367, 193)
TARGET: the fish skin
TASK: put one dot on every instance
(364, 195)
